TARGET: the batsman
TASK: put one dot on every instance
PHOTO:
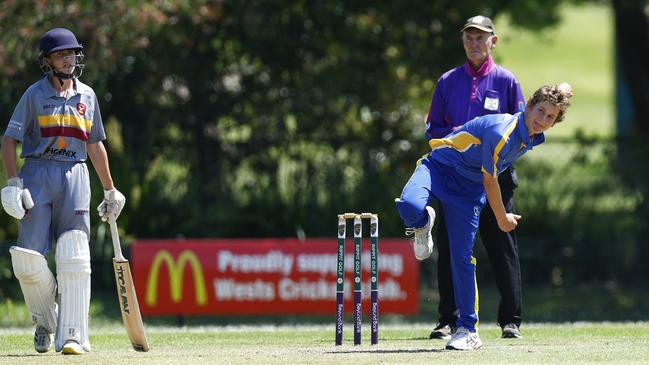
(58, 123)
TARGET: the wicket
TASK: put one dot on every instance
(374, 269)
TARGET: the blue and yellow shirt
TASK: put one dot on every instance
(490, 144)
(53, 127)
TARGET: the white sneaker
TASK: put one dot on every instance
(72, 348)
(422, 243)
(43, 339)
(463, 339)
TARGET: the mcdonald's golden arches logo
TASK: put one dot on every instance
(176, 269)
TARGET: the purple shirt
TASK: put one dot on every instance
(463, 94)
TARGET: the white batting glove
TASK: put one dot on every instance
(112, 205)
(16, 201)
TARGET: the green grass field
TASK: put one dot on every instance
(581, 343)
(579, 50)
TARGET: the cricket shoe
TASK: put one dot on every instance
(72, 348)
(422, 243)
(43, 339)
(511, 330)
(463, 339)
(443, 331)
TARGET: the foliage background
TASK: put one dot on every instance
(264, 118)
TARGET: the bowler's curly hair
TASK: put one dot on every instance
(553, 95)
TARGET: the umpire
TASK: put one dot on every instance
(479, 87)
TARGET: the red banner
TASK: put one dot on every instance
(269, 276)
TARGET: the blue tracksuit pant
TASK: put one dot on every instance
(462, 201)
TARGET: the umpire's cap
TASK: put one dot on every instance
(58, 39)
(479, 22)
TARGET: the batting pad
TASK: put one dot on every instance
(73, 274)
(38, 285)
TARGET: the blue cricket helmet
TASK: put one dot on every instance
(58, 39)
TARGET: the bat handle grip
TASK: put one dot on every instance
(114, 234)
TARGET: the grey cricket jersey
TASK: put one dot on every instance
(54, 132)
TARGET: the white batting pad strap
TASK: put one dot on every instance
(37, 284)
(73, 274)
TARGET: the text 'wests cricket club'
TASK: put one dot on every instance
(222, 277)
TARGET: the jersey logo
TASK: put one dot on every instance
(81, 108)
(60, 152)
(61, 143)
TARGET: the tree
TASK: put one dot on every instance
(221, 115)
(631, 34)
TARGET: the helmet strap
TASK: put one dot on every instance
(62, 76)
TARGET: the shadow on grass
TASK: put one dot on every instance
(410, 339)
(400, 351)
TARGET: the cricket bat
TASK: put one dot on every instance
(126, 294)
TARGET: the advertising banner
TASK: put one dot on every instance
(265, 276)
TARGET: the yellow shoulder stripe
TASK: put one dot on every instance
(500, 145)
(461, 141)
